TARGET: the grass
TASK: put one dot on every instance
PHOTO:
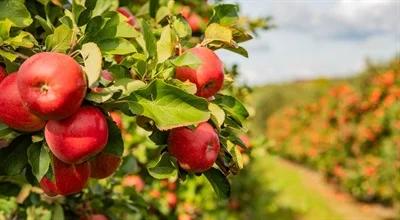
(292, 196)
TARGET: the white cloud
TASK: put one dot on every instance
(340, 19)
(318, 38)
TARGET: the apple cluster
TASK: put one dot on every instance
(196, 150)
(47, 94)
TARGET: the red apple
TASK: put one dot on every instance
(52, 85)
(13, 112)
(94, 217)
(245, 139)
(48, 187)
(155, 194)
(196, 150)
(104, 165)
(126, 13)
(3, 73)
(116, 117)
(78, 137)
(68, 178)
(208, 76)
(172, 199)
(195, 21)
(184, 217)
(171, 186)
(133, 181)
(186, 11)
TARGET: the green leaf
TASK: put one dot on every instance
(39, 159)
(14, 157)
(57, 212)
(129, 165)
(237, 156)
(127, 86)
(22, 39)
(61, 40)
(232, 107)
(187, 59)
(48, 28)
(159, 137)
(166, 45)
(7, 135)
(187, 86)
(149, 39)
(7, 55)
(93, 62)
(153, 7)
(169, 106)
(238, 50)
(182, 28)
(104, 5)
(16, 11)
(225, 14)
(91, 4)
(125, 30)
(115, 143)
(217, 114)
(216, 32)
(99, 97)
(162, 13)
(240, 36)
(119, 46)
(163, 168)
(93, 27)
(5, 27)
(219, 182)
(84, 17)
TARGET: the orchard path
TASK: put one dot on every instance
(339, 202)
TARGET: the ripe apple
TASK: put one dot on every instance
(13, 112)
(48, 187)
(52, 85)
(195, 22)
(155, 194)
(94, 217)
(104, 165)
(68, 178)
(126, 13)
(3, 73)
(245, 139)
(116, 117)
(171, 186)
(196, 150)
(172, 199)
(77, 138)
(186, 11)
(208, 76)
(184, 216)
(133, 181)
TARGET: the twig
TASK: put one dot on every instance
(23, 56)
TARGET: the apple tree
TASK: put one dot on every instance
(97, 97)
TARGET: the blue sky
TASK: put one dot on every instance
(317, 38)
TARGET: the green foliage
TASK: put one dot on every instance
(141, 60)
